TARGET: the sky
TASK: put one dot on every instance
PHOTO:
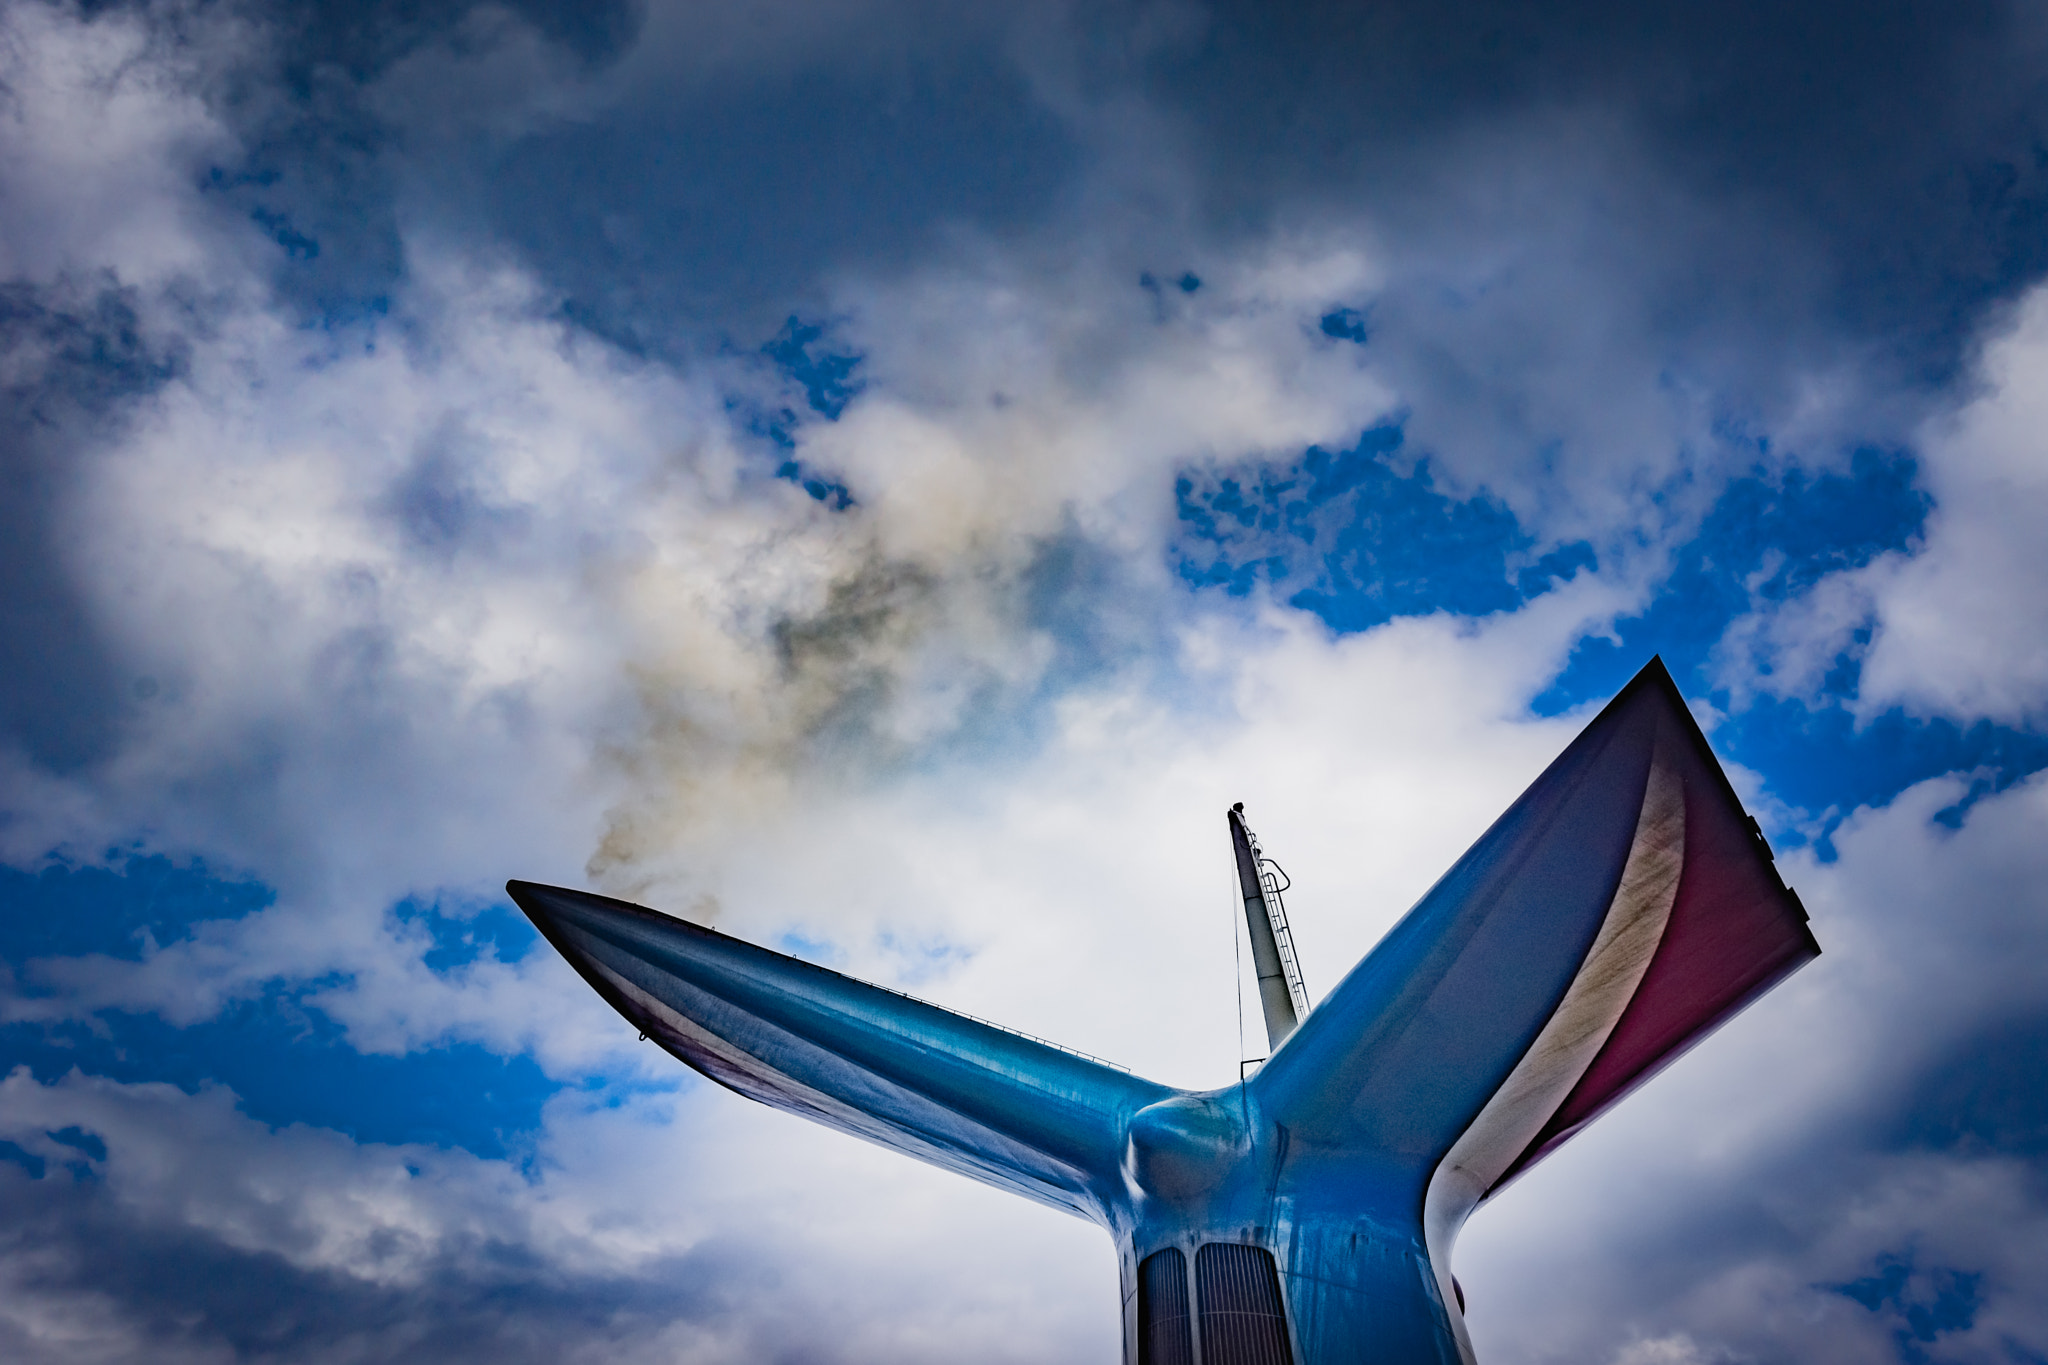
(881, 477)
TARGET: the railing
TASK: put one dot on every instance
(1001, 1028)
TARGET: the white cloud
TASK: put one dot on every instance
(1963, 624)
(104, 132)
(1676, 1349)
(699, 1226)
(1953, 626)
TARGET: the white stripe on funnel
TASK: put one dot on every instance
(1568, 1043)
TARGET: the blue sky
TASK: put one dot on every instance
(881, 478)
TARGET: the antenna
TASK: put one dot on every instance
(1261, 880)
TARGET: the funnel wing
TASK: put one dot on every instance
(1622, 908)
(947, 1089)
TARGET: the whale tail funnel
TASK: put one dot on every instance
(1620, 910)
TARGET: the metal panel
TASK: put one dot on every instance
(1243, 1319)
(1165, 1336)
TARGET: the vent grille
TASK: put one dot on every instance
(1165, 1336)
(1243, 1320)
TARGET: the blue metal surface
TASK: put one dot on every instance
(1324, 1158)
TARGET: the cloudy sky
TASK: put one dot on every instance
(881, 476)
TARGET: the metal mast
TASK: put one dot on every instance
(1281, 993)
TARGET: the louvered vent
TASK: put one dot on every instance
(1165, 1336)
(1243, 1321)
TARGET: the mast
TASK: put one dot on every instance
(1281, 993)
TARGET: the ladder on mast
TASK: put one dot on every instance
(1282, 995)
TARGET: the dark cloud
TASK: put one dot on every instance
(681, 182)
(70, 355)
(729, 206)
(1889, 163)
(1831, 177)
(361, 41)
(172, 1292)
(1614, 241)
